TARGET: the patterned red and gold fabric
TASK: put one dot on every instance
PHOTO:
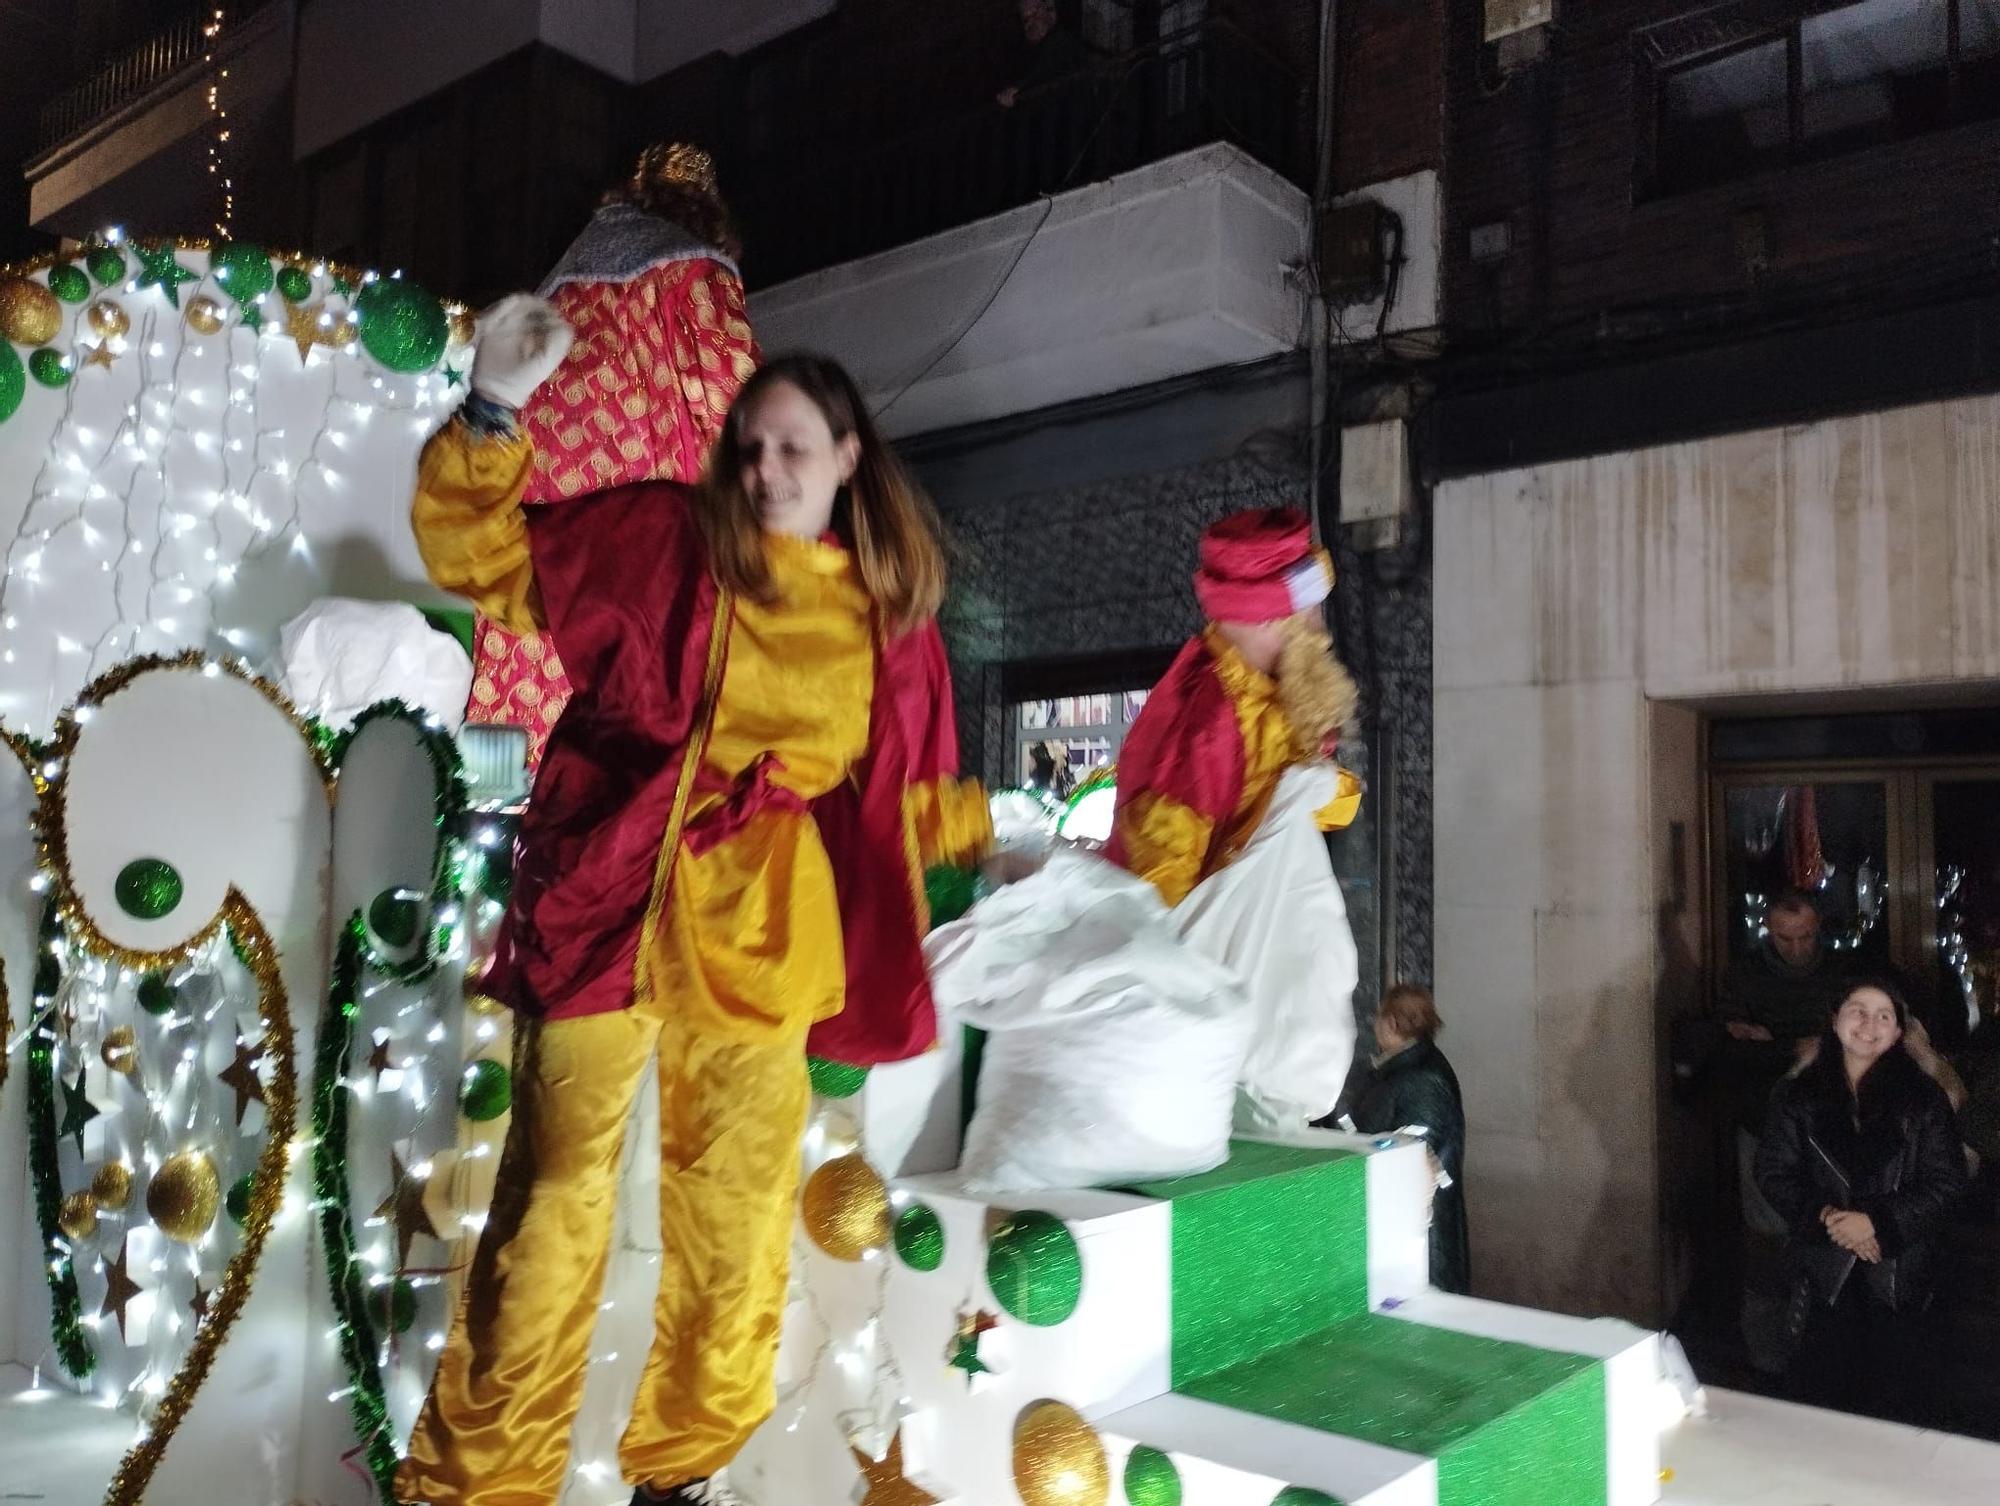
(641, 396)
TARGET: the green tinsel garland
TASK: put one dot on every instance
(367, 1400)
(65, 1303)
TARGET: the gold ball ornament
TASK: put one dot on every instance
(846, 1208)
(184, 1196)
(1058, 1460)
(111, 1188)
(29, 313)
(120, 1050)
(78, 1218)
(107, 320)
(204, 316)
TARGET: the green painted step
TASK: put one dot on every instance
(1509, 1425)
(1271, 1246)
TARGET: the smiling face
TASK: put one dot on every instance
(792, 464)
(1866, 1026)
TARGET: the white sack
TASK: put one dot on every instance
(342, 656)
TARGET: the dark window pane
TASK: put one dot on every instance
(1828, 839)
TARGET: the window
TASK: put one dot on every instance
(1058, 741)
(1832, 81)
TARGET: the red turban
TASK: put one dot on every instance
(1260, 566)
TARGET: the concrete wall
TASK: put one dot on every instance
(1574, 604)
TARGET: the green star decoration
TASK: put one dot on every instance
(963, 1351)
(453, 375)
(158, 269)
(78, 1111)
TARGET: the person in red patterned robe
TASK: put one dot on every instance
(663, 344)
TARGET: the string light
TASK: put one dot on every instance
(219, 124)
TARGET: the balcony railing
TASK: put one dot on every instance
(132, 74)
(829, 203)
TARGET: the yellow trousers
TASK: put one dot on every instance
(496, 1430)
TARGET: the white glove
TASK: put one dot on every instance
(522, 340)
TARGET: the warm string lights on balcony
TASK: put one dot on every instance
(219, 117)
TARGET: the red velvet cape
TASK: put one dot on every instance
(1186, 745)
(626, 590)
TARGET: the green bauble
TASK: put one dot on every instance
(950, 892)
(295, 283)
(49, 368)
(237, 1202)
(68, 283)
(1035, 1268)
(156, 995)
(107, 265)
(402, 326)
(835, 1079)
(488, 1091)
(1151, 1479)
(244, 271)
(1300, 1495)
(13, 381)
(393, 1306)
(395, 916)
(148, 888)
(920, 1238)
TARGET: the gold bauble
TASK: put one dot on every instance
(78, 1218)
(846, 1208)
(107, 320)
(204, 315)
(29, 313)
(120, 1050)
(111, 1188)
(184, 1195)
(1058, 1460)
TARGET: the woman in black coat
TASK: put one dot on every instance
(1412, 1085)
(1860, 1158)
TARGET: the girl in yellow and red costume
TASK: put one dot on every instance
(1256, 693)
(720, 867)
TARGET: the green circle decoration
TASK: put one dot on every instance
(393, 1306)
(244, 272)
(950, 892)
(156, 995)
(1151, 1479)
(402, 326)
(295, 283)
(148, 888)
(834, 1079)
(488, 1091)
(49, 368)
(395, 916)
(13, 381)
(237, 1201)
(920, 1238)
(68, 283)
(107, 265)
(1035, 1268)
(1300, 1495)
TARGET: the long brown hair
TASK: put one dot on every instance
(881, 514)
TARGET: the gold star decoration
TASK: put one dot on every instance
(198, 1303)
(887, 1485)
(241, 1075)
(404, 1207)
(378, 1060)
(119, 1288)
(100, 354)
(302, 328)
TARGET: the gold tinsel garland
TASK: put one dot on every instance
(135, 1472)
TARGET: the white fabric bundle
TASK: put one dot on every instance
(1119, 1031)
(342, 656)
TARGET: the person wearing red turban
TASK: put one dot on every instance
(1255, 693)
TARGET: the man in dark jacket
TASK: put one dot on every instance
(1412, 1086)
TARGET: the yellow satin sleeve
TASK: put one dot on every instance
(469, 527)
(1165, 842)
(951, 821)
(1338, 813)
